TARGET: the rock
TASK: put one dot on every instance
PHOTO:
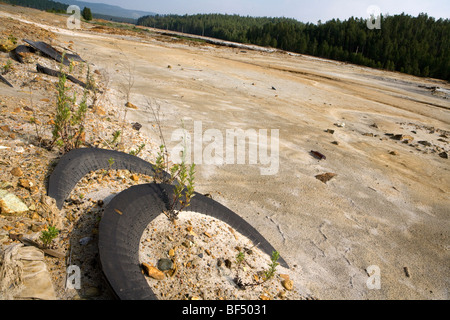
(329, 131)
(137, 126)
(318, 155)
(443, 155)
(325, 177)
(264, 297)
(25, 183)
(368, 134)
(407, 274)
(228, 263)
(165, 264)
(84, 241)
(407, 139)
(130, 105)
(171, 252)
(19, 149)
(152, 272)
(425, 143)
(11, 204)
(134, 177)
(5, 128)
(402, 137)
(394, 153)
(288, 284)
(17, 172)
(335, 142)
(340, 124)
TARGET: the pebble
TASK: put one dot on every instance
(84, 241)
(325, 177)
(443, 155)
(130, 105)
(407, 274)
(17, 172)
(288, 284)
(153, 272)
(165, 264)
(25, 183)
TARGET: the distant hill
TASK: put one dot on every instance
(39, 4)
(100, 10)
(108, 10)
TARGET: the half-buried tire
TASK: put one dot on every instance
(75, 164)
(124, 221)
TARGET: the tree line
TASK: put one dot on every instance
(415, 45)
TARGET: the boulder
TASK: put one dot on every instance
(11, 204)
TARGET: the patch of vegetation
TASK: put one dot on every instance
(48, 235)
(68, 130)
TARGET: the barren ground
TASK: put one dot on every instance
(383, 208)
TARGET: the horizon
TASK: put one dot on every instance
(300, 10)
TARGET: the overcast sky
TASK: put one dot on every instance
(302, 10)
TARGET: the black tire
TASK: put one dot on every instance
(124, 221)
(75, 164)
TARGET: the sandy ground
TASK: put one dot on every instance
(385, 210)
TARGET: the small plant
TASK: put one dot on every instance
(240, 257)
(111, 161)
(7, 67)
(269, 273)
(138, 150)
(160, 165)
(48, 235)
(68, 130)
(184, 189)
(116, 136)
